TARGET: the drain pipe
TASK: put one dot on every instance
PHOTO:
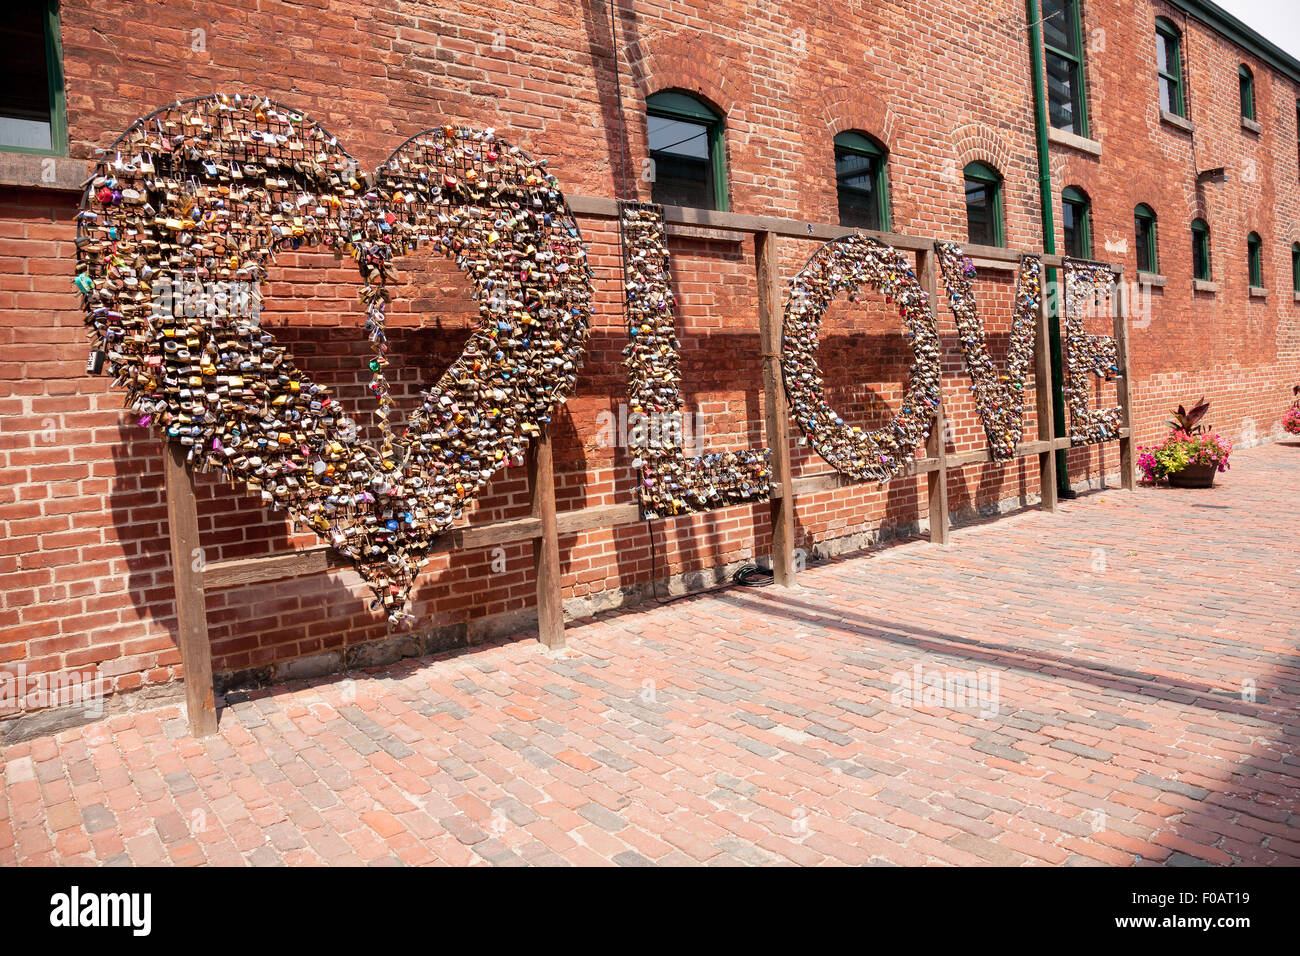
(1049, 245)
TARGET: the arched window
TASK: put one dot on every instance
(984, 205)
(1255, 260)
(1201, 268)
(1246, 80)
(862, 181)
(687, 151)
(1076, 222)
(1169, 67)
(1295, 267)
(1148, 247)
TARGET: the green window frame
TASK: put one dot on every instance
(1169, 67)
(984, 225)
(44, 15)
(1076, 222)
(1295, 267)
(1255, 260)
(862, 182)
(1246, 81)
(1148, 241)
(1202, 267)
(1067, 100)
(679, 112)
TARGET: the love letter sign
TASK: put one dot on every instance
(204, 193)
(209, 190)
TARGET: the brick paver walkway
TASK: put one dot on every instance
(1119, 640)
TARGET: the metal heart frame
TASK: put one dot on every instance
(210, 190)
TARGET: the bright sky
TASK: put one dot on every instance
(1278, 20)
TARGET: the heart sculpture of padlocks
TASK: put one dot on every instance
(202, 194)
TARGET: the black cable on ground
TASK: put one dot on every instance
(752, 576)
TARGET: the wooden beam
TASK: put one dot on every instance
(776, 414)
(1047, 477)
(936, 446)
(191, 612)
(1127, 469)
(737, 222)
(290, 564)
(546, 546)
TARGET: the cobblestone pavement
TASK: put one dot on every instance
(1133, 691)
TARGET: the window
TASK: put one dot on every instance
(1201, 251)
(688, 152)
(861, 182)
(1246, 80)
(1144, 223)
(31, 103)
(983, 205)
(1255, 260)
(1295, 267)
(1169, 67)
(1063, 57)
(1076, 222)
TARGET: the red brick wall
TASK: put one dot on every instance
(85, 553)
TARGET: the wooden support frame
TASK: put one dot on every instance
(936, 446)
(544, 525)
(191, 610)
(1047, 487)
(771, 326)
(546, 544)
(1127, 466)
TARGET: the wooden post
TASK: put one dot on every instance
(1128, 475)
(191, 612)
(1043, 397)
(935, 446)
(546, 546)
(776, 415)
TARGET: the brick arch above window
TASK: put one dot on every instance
(845, 109)
(677, 62)
(975, 143)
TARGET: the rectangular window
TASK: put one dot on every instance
(682, 171)
(1063, 58)
(1169, 66)
(31, 100)
(1255, 263)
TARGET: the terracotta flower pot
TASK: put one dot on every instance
(1194, 476)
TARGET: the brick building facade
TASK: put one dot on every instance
(87, 581)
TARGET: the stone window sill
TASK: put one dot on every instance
(1205, 285)
(1297, 296)
(1251, 126)
(1073, 141)
(1178, 122)
(1152, 279)
(1258, 292)
(33, 171)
